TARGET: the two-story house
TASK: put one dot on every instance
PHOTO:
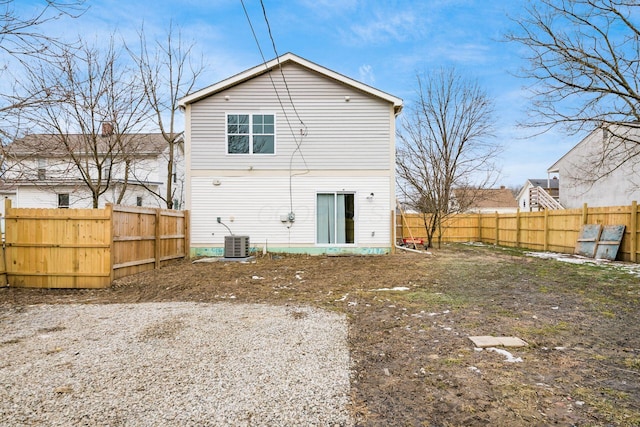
(296, 156)
(42, 171)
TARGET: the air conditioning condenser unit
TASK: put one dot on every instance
(236, 246)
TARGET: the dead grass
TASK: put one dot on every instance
(410, 351)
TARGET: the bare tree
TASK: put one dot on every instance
(583, 62)
(168, 71)
(94, 108)
(21, 40)
(444, 144)
(21, 36)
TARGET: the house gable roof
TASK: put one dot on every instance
(278, 62)
(488, 197)
(632, 129)
(51, 145)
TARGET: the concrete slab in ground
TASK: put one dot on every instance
(491, 341)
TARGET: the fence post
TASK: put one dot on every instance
(633, 230)
(479, 227)
(112, 253)
(546, 230)
(497, 241)
(157, 248)
(585, 212)
(518, 228)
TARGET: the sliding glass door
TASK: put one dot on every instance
(335, 219)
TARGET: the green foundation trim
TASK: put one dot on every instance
(219, 251)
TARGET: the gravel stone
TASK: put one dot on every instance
(173, 364)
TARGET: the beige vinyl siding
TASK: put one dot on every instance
(341, 134)
(253, 207)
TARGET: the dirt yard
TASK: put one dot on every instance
(413, 363)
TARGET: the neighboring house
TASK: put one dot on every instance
(535, 194)
(296, 156)
(39, 173)
(484, 200)
(593, 171)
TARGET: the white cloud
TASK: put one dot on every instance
(327, 8)
(383, 28)
(366, 74)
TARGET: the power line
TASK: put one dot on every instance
(264, 61)
(273, 43)
(303, 132)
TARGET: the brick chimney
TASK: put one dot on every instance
(107, 129)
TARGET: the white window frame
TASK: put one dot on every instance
(42, 168)
(61, 206)
(250, 134)
(335, 212)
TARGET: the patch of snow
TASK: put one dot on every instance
(474, 369)
(257, 278)
(633, 269)
(505, 353)
(344, 297)
(474, 244)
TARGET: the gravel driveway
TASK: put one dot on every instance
(173, 364)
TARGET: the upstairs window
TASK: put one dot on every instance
(42, 169)
(63, 200)
(251, 134)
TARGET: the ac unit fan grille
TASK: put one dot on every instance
(236, 246)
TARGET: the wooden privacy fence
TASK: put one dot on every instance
(89, 248)
(549, 230)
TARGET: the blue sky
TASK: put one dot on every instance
(381, 43)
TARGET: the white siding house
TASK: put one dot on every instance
(593, 171)
(295, 156)
(39, 174)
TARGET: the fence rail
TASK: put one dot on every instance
(549, 230)
(88, 248)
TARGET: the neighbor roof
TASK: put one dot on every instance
(277, 62)
(632, 128)
(490, 198)
(142, 143)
